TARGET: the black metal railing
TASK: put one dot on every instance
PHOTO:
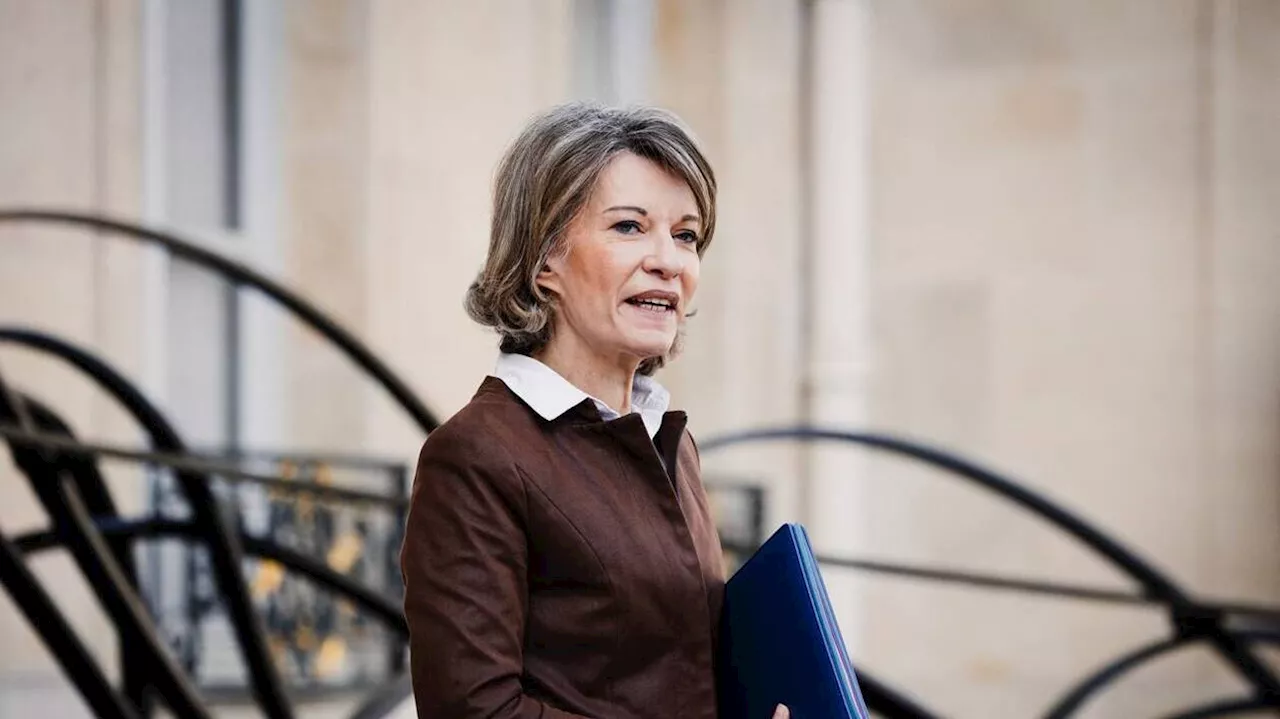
(63, 473)
(1192, 620)
(321, 644)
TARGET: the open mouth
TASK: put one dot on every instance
(656, 302)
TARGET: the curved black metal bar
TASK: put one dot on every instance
(302, 484)
(1076, 697)
(974, 579)
(58, 636)
(1185, 614)
(1153, 582)
(1261, 636)
(888, 702)
(61, 500)
(224, 551)
(1225, 708)
(242, 275)
(387, 610)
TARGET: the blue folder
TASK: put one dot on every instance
(779, 642)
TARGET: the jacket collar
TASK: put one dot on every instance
(551, 395)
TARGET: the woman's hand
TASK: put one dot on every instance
(782, 712)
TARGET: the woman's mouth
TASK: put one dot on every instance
(656, 302)
(655, 306)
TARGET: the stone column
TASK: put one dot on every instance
(838, 343)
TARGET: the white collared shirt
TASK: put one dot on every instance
(551, 395)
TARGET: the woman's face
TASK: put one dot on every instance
(630, 269)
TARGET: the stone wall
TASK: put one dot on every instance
(1039, 233)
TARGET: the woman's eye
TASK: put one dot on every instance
(687, 236)
(627, 227)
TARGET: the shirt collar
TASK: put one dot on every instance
(551, 395)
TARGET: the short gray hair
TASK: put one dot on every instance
(544, 181)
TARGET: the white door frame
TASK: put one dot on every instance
(256, 243)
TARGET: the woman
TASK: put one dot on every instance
(560, 559)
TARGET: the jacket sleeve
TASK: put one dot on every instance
(464, 563)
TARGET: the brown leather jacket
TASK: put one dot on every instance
(560, 568)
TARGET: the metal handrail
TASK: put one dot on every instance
(224, 552)
(306, 483)
(386, 609)
(1192, 620)
(303, 482)
(1187, 616)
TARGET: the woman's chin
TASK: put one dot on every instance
(649, 346)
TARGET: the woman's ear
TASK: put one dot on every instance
(549, 278)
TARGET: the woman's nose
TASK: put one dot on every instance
(664, 257)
